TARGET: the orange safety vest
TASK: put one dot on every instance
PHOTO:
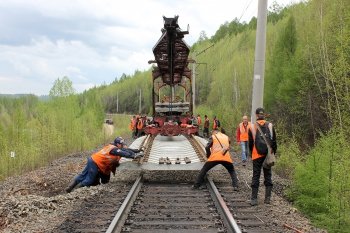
(216, 149)
(214, 124)
(105, 161)
(199, 120)
(243, 136)
(140, 124)
(132, 124)
(255, 154)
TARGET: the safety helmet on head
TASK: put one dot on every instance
(119, 140)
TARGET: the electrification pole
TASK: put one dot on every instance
(194, 83)
(259, 65)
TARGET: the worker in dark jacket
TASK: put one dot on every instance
(217, 150)
(100, 165)
(258, 159)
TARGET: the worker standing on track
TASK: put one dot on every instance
(217, 150)
(100, 165)
(242, 138)
(258, 159)
(206, 127)
(215, 124)
(199, 121)
(140, 125)
(136, 130)
(132, 126)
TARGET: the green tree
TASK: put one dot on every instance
(202, 36)
(62, 88)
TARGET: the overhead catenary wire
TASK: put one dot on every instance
(244, 11)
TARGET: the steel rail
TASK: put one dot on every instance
(225, 213)
(199, 149)
(148, 146)
(119, 219)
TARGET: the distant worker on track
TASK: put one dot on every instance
(132, 126)
(140, 125)
(242, 138)
(217, 150)
(206, 127)
(100, 165)
(216, 123)
(199, 120)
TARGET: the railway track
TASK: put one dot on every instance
(162, 198)
(245, 215)
(165, 207)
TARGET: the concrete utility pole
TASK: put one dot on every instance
(194, 83)
(259, 66)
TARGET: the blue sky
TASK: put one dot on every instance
(94, 41)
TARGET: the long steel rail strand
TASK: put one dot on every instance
(197, 148)
(123, 212)
(225, 212)
(155, 149)
(147, 143)
(119, 219)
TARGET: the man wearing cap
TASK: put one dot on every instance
(217, 150)
(100, 165)
(258, 159)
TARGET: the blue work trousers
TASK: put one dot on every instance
(89, 175)
(244, 147)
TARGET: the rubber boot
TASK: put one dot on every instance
(254, 199)
(268, 191)
(71, 186)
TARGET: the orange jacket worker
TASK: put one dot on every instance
(242, 137)
(217, 150)
(206, 126)
(102, 163)
(258, 159)
(199, 120)
(215, 123)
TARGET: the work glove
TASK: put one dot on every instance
(139, 155)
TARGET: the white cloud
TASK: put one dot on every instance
(93, 41)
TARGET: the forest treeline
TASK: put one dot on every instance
(307, 81)
(34, 132)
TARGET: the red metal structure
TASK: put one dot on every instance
(172, 88)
